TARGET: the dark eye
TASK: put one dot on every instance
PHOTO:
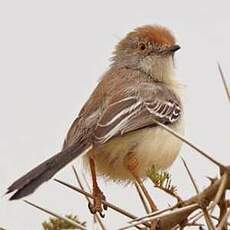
(142, 46)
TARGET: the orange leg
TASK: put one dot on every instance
(98, 196)
(131, 163)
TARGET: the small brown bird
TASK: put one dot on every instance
(115, 127)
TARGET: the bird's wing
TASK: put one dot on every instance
(137, 109)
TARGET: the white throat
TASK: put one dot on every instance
(159, 68)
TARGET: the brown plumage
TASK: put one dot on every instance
(118, 119)
(157, 34)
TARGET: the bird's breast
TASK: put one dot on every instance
(152, 146)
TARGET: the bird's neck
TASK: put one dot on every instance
(160, 70)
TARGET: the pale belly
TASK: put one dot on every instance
(151, 146)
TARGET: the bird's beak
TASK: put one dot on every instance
(172, 48)
(167, 50)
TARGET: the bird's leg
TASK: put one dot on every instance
(131, 163)
(98, 196)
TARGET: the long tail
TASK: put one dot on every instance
(43, 172)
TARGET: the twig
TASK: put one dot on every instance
(208, 220)
(80, 226)
(207, 195)
(222, 182)
(142, 198)
(224, 81)
(104, 202)
(222, 206)
(96, 216)
(171, 193)
(223, 221)
(153, 214)
(187, 225)
(190, 175)
(175, 227)
(215, 218)
(112, 206)
(189, 143)
(87, 184)
(189, 208)
(196, 217)
(220, 191)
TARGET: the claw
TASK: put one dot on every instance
(91, 208)
(101, 215)
(98, 197)
(98, 205)
(105, 207)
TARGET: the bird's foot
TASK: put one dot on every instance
(98, 205)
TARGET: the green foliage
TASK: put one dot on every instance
(162, 179)
(58, 224)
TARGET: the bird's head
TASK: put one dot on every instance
(149, 49)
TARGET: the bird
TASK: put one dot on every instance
(115, 130)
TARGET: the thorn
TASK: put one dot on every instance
(211, 179)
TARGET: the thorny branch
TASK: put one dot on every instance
(179, 215)
(224, 81)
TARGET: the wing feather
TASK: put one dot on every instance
(137, 111)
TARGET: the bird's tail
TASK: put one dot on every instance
(43, 172)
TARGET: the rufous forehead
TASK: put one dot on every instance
(157, 34)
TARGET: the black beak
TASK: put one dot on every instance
(173, 48)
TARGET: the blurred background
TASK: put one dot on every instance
(52, 53)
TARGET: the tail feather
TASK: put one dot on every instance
(43, 172)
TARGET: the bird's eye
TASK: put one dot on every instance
(142, 46)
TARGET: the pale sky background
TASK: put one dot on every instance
(51, 55)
